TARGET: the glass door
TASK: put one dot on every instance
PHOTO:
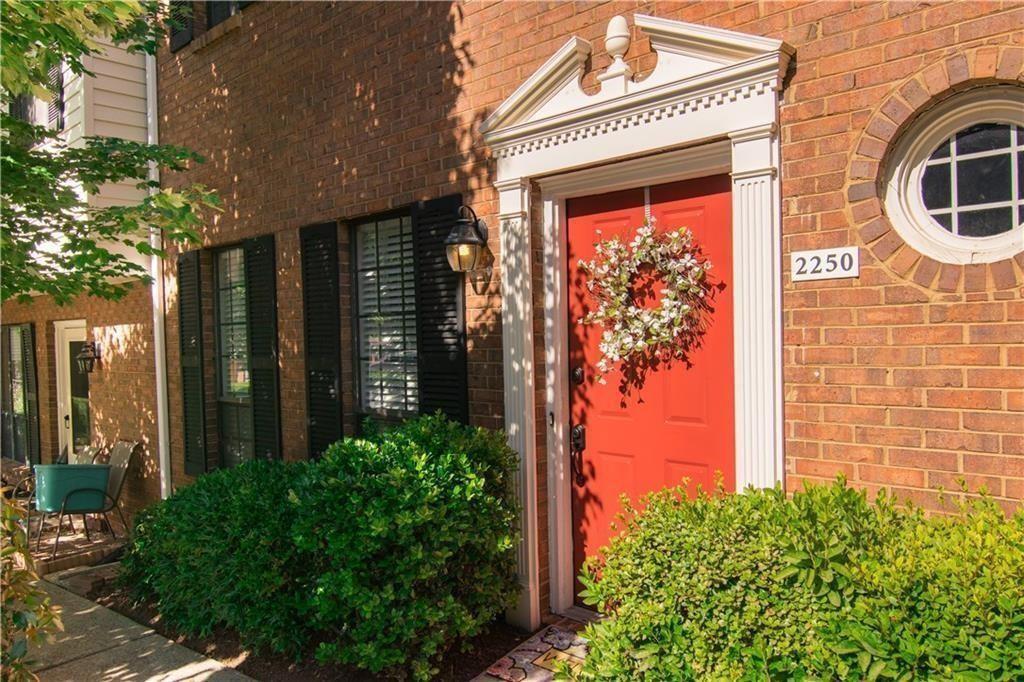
(74, 424)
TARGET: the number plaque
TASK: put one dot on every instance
(825, 264)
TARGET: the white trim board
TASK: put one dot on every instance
(713, 98)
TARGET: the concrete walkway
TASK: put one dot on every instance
(100, 645)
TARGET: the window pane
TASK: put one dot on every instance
(386, 306)
(983, 137)
(935, 187)
(234, 399)
(985, 223)
(942, 152)
(984, 180)
(944, 219)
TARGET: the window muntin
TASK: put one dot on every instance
(234, 396)
(972, 183)
(953, 188)
(386, 316)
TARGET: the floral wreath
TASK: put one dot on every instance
(666, 332)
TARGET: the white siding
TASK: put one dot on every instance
(112, 103)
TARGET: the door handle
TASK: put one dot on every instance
(577, 444)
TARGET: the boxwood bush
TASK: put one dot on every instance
(382, 554)
(822, 585)
(413, 532)
(219, 552)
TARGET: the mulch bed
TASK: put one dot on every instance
(225, 647)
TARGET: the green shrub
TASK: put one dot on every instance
(219, 553)
(381, 554)
(414, 534)
(822, 585)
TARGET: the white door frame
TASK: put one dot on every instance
(65, 331)
(709, 85)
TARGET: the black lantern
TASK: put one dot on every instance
(87, 357)
(465, 242)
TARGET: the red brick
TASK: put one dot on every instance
(848, 414)
(963, 355)
(994, 421)
(949, 277)
(886, 395)
(924, 459)
(877, 435)
(928, 377)
(854, 336)
(856, 376)
(891, 475)
(925, 419)
(926, 271)
(997, 333)
(967, 312)
(888, 356)
(995, 378)
(998, 466)
(961, 440)
(917, 336)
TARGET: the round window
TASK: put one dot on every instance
(955, 189)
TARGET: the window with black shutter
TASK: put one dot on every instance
(410, 314)
(190, 326)
(181, 24)
(19, 402)
(22, 107)
(322, 332)
(55, 109)
(248, 414)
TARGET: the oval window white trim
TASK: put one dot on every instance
(903, 201)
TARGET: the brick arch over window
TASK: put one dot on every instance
(988, 65)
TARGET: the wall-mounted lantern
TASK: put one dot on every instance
(466, 241)
(87, 357)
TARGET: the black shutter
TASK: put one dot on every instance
(440, 313)
(322, 324)
(6, 397)
(190, 324)
(55, 112)
(261, 299)
(218, 11)
(181, 24)
(28, 368)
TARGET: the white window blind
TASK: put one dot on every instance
(386, 312)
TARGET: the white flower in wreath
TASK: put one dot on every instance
(668, 331)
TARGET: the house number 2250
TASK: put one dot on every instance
(825, 264)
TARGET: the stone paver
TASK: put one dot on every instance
(103, 646)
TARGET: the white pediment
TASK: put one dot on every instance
(693, 60)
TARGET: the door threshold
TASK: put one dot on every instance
(581, 614)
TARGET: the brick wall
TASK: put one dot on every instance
(909, 376)
(122, 395)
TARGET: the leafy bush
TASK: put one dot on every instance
(219, 552)
(821, 585)
(414, 534)
(383, 553)
(26, 615)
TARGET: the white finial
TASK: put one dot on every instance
(616, 42)
(616, 39)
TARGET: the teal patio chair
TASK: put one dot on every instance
(66, 489)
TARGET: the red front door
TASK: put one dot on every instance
(679, 423)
